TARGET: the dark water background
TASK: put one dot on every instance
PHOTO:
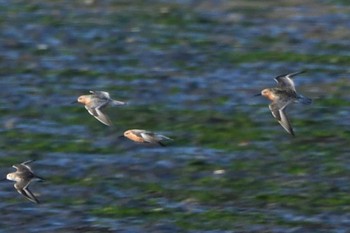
(189, 69)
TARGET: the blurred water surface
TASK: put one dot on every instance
(188, 69)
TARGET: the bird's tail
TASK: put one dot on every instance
(304, 100)
(162, 139)
(161, 143)
(39, 178)
(116, 102)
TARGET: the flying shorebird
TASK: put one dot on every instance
(281, 96)
(96, 102)
(23, 177)
(144, 136)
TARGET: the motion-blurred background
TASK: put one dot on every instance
(189, 70)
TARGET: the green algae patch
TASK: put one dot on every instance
(125, 212)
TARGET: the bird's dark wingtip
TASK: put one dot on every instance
(28, 161)
(162, 144)
(292, 133)
(297, 73)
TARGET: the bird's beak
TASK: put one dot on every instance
(258, 94)
(74, 102)
(4, 179)
(121, 136)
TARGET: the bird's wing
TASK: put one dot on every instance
(99, 115)
(29, 195)
(162, 137)
(23, 167)
(286, 80)
(28, 162)
(279, 113)
(25, 164)
(92, 111)
(275, 110)
(149, 137)
(102, 117)
(153, 137)
(101, 94)
(285, 122)
(17, 166)
(22, 188)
